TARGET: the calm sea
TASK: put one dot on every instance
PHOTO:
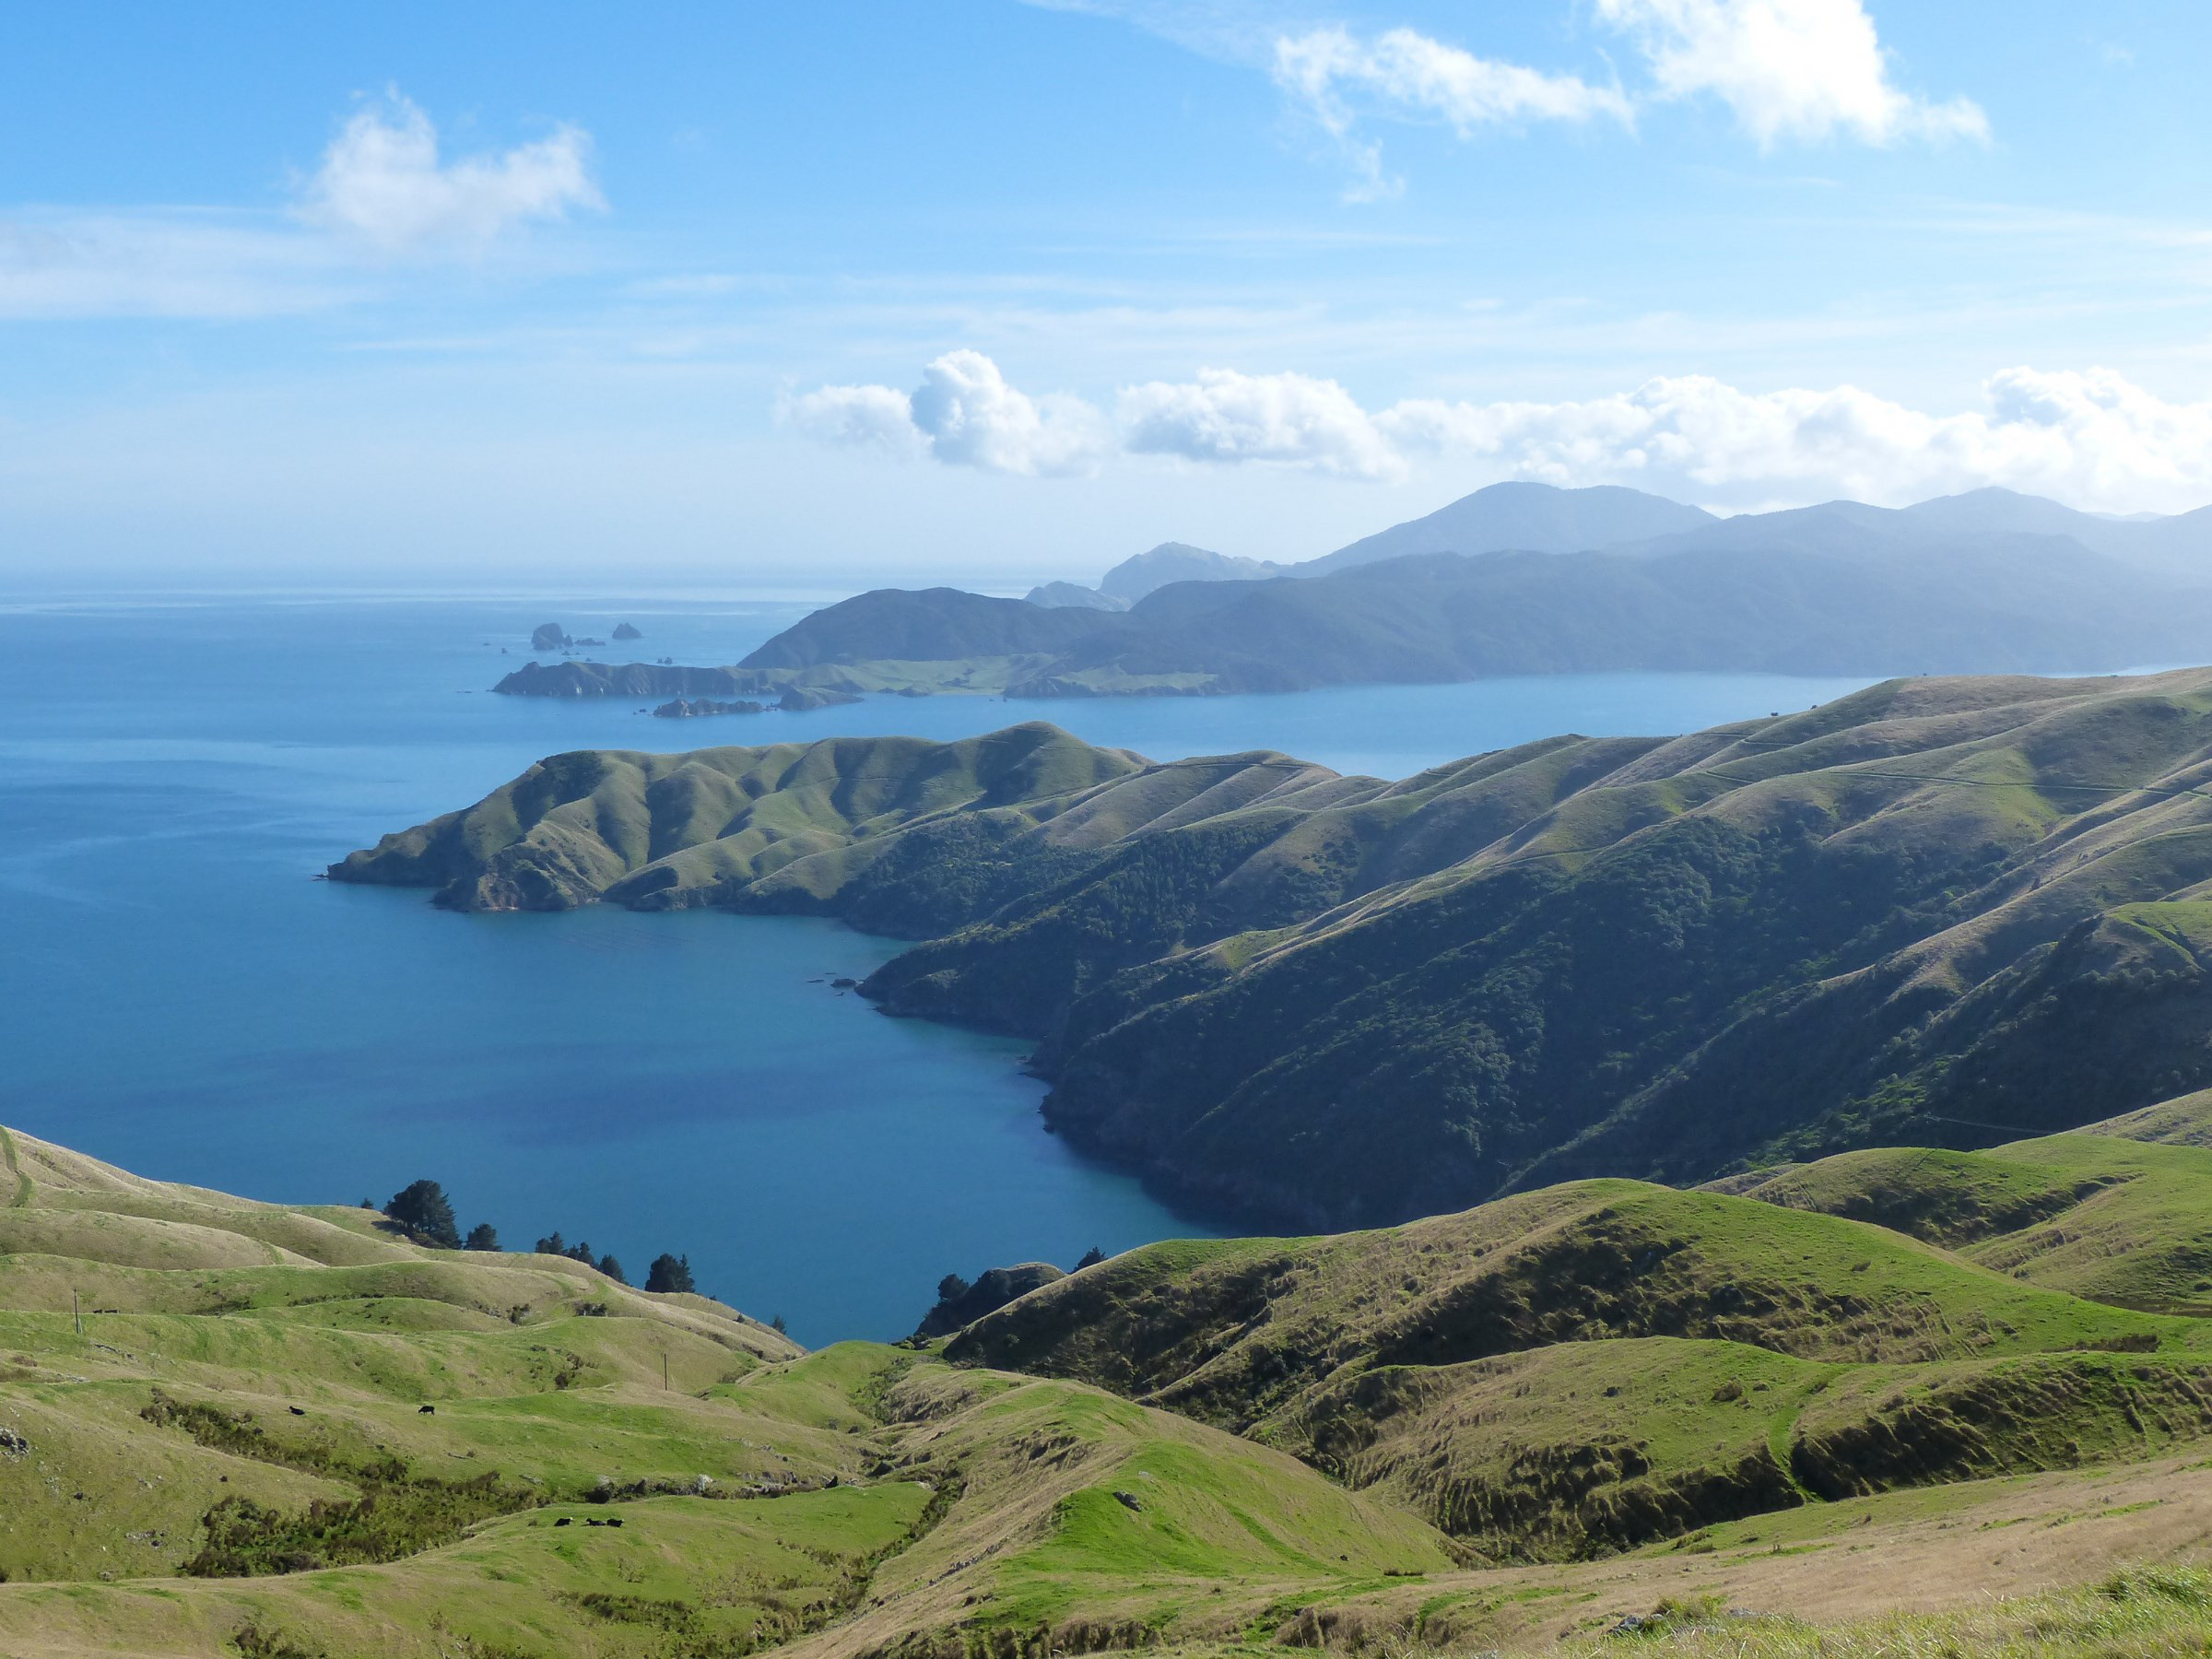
(179, 996)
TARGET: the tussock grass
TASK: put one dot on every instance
(2142, 1613)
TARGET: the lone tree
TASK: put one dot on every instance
(613, 1269)
(951, 1288)
(422, 1207)
(669, 1274)
(1092, 1258)
(482, 1236)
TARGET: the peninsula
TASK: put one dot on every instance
(1951, 911)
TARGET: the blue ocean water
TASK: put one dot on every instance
(179, 996)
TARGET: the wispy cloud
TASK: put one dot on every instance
(1331, 72)
(381, 181)
(380, 194)
(2092, 436)
(1803, 71)
(163, 264)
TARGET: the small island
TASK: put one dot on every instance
(695, 707)
(797, 700)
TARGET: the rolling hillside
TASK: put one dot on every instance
(1950, 912)
(289, 1432)
(1598, 1364)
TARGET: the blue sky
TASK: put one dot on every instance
(993, 291)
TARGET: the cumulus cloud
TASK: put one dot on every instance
(382, 180)
(864, 417)
(1292, 419)
(2093, 438)
(1330, 71)
(1803, 69)
(965, 414)
(2089, 436)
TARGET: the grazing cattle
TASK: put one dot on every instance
(426, 1411)
(297, 1412)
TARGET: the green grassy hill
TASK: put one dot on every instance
(1597, 1365)
(1943, 913)
(291, 1433)
(2119, 1211)
(289, 1430)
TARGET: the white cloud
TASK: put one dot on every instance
(965, 414)
(2091, 437)
(381, 189)
(971, 416)
(1292, 419)
(161, 264)
(1801, 69)
(382, 180)
(879, 416)
(1789, 69)
(1409, 74)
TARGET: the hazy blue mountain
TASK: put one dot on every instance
(1522, 518)
(1074, 596)
(928, 624)
(1991, 581)
(2177, 549)
(1179, 561)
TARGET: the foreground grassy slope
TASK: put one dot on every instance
(1942, 912)
(234, 1456)
(1600, 1364)
(286, 1429)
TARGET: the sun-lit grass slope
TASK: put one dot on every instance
(2140, 1611)
(1590, 1366)
(2118, 1212)
(786, 826)
(2183, 1122)
(1787, 1409)
(291, 1430)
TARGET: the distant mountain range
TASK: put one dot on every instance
(1527, 579)
(1522, 518)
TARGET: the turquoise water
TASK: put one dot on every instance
(178, 995)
